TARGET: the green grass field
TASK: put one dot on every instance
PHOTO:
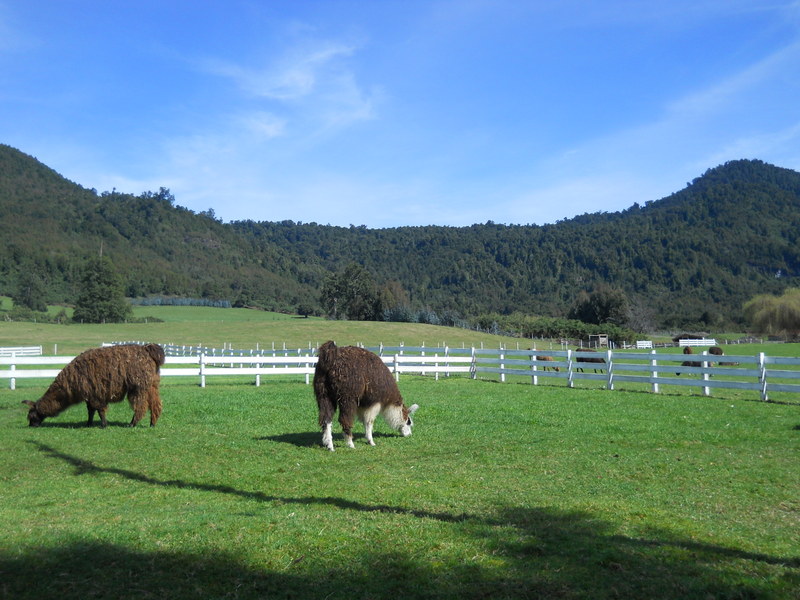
(503, 491)
(237, 328)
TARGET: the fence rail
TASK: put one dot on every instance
(760, 373)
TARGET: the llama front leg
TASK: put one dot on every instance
(102, 412)
(368, 416)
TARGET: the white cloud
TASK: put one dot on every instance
(263, 125)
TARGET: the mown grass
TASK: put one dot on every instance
(503, 491)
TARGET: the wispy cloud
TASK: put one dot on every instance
(262, 125)
(296, 74)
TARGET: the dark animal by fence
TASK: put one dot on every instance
(547, 359)
(688, 363)
(359, 384)
(103, 375)
(717, 351)
(589, 359)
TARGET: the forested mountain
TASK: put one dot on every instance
(692, 258)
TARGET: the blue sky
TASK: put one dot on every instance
(391, 113)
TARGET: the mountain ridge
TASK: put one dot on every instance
(692, 257)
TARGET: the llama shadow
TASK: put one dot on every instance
(82, 424)
(306, 439)
(301, 440)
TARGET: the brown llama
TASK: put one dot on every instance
(589, 359)
(359, 384)
(547, 359)
(103, 375)
(688, 363)
(717, 351)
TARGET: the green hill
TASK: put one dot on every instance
(693, 257)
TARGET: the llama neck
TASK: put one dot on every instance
(53, 403)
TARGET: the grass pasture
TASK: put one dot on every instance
(503, 491)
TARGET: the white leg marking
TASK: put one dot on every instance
(368, 416)
(327, 437)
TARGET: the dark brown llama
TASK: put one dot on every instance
(717, 351)
(589, 359)
(359, 384)
(103, 375)
(688, 363)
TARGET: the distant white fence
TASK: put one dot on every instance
(21, 351)
(697, 342)
(760, 373)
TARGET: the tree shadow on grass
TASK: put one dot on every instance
(527, 552)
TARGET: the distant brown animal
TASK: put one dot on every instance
(359, 384)
(589, 359)
(688, 363)
(547, 359)
(103, 375)
(717, 351)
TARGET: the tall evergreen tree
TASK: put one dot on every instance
(101, 298)
(351, 294)
(30, 290)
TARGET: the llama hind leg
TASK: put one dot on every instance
(327, 436)
(139, 404)
(154, 402)
(346, 421)
(326, 411)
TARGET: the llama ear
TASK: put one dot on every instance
(413, 409)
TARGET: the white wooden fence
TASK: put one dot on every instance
(760, 373)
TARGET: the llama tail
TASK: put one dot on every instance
(327, 356)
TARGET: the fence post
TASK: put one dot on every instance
(762, 376)
(502, 369)
(13, 379)
(654, 363)
(706, 389)
(473, 366)
(396, 371)
(534, 377)
(202, 370)
(570, 370)
(609, 370)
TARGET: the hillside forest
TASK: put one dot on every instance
(691, 260)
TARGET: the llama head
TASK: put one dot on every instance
(409, 422)
(35, 418)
